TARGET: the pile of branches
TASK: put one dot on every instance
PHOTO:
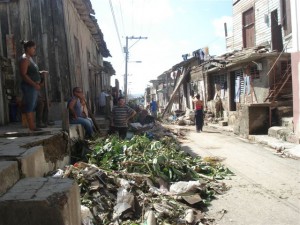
(144, 181)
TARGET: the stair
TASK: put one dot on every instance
(282, 89)
(26, 196)
(103, 124)
(39, 200)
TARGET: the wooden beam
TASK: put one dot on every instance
(170, 103)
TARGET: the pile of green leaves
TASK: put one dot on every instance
(141, 159)
(159, 158)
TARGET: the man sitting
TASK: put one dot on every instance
(77, 114)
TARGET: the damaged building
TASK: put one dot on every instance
(250, 86)
(70, 45)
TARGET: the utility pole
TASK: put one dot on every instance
(126, 63)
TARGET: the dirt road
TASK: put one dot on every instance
(265, 189)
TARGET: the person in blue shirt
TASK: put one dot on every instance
(153, 108)
(77, 112)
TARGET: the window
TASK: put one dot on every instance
(254, 72)
(219, 79)
(248, 28)
(217, 82)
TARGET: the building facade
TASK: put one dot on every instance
(70, 45)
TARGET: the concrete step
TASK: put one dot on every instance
(223, 123)
(36, 201)
(279, 132)
(32, 157)
(76, 131)
(287, 122)
(103, 123)
(9, 175)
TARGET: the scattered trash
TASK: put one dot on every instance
(86, 216)
(145, 180)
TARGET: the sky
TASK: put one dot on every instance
(172, 28)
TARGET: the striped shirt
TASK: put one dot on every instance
(120, 115)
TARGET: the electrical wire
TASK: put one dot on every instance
(116, 26)
(122, 18)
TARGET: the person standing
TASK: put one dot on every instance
(102, 102)
(31, 82)
(77, 112)
(153, 108)
(198, 106)
(121, 114)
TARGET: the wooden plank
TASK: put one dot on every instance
(170, 103)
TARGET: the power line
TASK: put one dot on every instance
(122, 18)
(116, 26)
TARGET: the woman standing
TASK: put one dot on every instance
(198, 106)
(31, 82)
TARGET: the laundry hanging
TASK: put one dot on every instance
(237, 89)
(246, 85)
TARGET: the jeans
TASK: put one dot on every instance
(87, 123)
(30, 95)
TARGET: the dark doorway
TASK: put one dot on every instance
(232, 104)
(276, 32)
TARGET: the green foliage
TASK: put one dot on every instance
(159, 158)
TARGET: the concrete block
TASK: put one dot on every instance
(33, 163)
(9, 175)
(272, 131)
(76, 131)
(284, 133)
(287, 122)
(36, 201)
(279, 132)
(223, 123)
(292, 138)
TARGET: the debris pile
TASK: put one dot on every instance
(144, 181)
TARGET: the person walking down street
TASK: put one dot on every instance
(153, 108)
(198, 106)
(31, 82)
(121, 114)
(77, 112)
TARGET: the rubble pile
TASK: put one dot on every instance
(145, 180)
(185, 118)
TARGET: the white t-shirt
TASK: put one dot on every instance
(102, 98)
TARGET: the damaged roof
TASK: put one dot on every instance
(238, 57)
(87, 14)
(108, 68)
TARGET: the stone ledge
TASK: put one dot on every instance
(36, 201)
(223, 123)
(279, 132)
(76, 131)
(9, 175)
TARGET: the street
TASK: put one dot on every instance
(265, 189)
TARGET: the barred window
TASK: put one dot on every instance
(254, 72)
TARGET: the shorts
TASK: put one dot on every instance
(30, 95)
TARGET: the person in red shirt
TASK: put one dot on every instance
(198, 106)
